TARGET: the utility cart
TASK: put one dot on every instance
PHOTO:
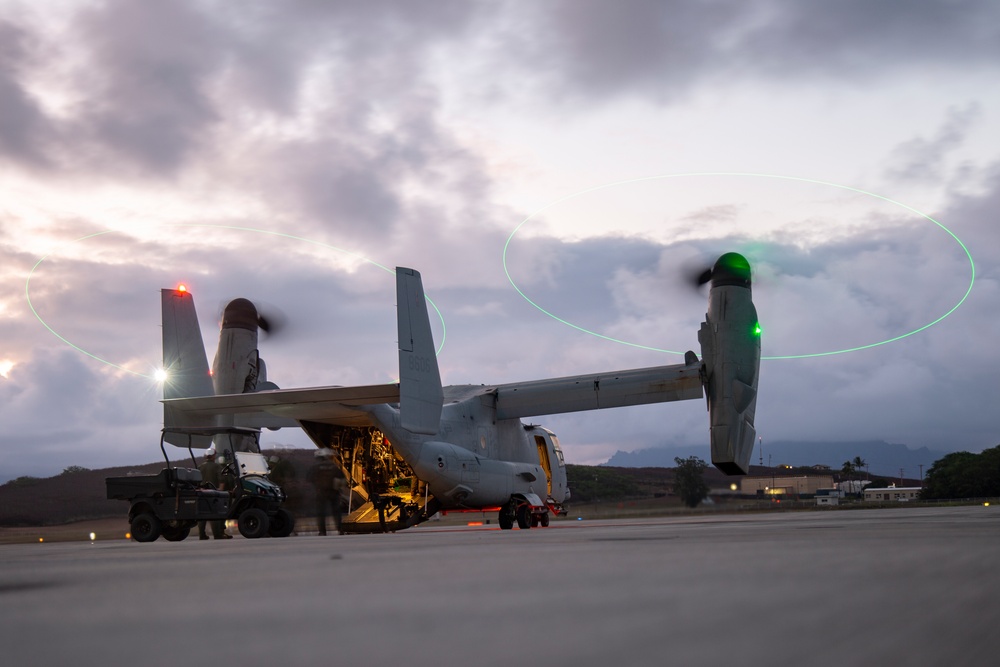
(173, 501)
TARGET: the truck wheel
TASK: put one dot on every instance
(282, 523)
(145, 527)
(174, 533)
(524, 517)
(253, 523)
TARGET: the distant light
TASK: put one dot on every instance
(986, 504)
(732, 487)
(41, 539)
(475, 523)
(93, 536)
(128, 536)
(160, 375)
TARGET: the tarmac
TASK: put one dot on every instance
(906, 586)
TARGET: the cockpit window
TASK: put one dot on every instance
(558, 450)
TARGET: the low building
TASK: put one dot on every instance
(829, 496)
(785, 486)
(855, 486)
(896, 494)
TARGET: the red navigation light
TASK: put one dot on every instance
(182, 288)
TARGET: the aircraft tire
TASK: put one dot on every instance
(281, 524)
(544, 520)
(505, 520)
(145, 527)
(524, 517)
(253, 523)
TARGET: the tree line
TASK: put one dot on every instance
(964, 475)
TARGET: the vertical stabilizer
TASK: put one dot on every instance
(420, 394)
(184, 361)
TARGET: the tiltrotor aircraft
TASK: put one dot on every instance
(412, 448)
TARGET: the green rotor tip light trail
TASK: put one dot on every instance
(742, 266)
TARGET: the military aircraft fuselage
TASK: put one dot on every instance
(475, 459)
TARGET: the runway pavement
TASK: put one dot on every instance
(908, 586)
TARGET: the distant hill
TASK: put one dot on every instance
(883, 458)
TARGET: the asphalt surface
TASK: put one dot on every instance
(911, 586)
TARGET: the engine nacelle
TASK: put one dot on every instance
(730, 348)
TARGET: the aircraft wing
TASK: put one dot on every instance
(614, 389)
(328, 405)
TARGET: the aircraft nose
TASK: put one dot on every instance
(240, 314)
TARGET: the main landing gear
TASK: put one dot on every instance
(524, 514)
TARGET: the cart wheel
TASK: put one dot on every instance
(282, 523)
(174, 533)
(524, 517)
(145, 527)
(253, 523)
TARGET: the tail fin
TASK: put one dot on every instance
(420, 393)
(184, 361)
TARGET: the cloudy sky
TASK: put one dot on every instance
(290, 152)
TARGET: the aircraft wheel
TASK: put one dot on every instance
(253, 523)
(534, 521)
(544, 520)
(282, 523)
(505, 519)
(524, 517)
(145, 527)
(174, 533)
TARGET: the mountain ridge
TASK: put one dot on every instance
(883, 458)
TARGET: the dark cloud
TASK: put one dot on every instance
(922, 160)
(160, 89)
(367, 51)
(147, 80)
(665, 50)
(860, 38)
(23, 128)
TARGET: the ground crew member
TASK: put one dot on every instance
(328, 479)
(211, 473)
